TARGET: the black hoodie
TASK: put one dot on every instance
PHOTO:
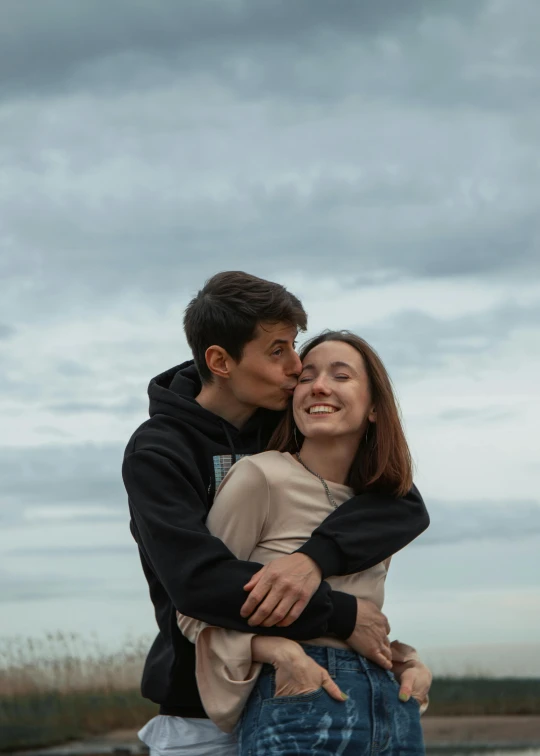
(172, 466)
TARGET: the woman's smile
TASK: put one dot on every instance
(322, 409)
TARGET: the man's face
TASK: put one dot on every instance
(268, 371)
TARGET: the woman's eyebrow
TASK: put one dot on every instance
(336, 364)
(342, 364)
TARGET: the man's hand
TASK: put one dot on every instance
(370, 634)
(412, 674)
(280, 591)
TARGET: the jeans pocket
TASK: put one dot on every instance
(268, 692)
(299, 698)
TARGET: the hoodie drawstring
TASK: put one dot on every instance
(230, 442)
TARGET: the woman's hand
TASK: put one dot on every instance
(296, 672)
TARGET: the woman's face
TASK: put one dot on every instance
(332, 397)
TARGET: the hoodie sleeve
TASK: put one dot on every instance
(365, 531)
(202, 577)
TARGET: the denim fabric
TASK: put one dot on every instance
(373, 721)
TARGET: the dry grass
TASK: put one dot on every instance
(68, 663)
(66, 686)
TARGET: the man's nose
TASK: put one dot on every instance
(295, 367)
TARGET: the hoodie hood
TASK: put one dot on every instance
(173, 393)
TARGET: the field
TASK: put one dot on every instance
(66, 687)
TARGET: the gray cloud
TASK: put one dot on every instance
(72, 369)
(412, 341)
(480, 520)
(54, 45)
(154, 246)
(92, 550)
(61, 474)
(57, 585)
(6, 331)
(484, 415)
(398, 139)
(51, 430)
(130, 406)
(36, 588)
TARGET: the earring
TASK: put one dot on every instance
(367, 433)
(296, 439)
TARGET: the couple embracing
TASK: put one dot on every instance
(268, 492)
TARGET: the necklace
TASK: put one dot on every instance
(325, 484)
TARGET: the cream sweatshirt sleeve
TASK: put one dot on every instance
(225, 671)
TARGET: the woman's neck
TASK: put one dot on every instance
(331, 458)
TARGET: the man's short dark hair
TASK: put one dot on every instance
(228, 309)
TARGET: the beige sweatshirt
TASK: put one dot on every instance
(267, 506)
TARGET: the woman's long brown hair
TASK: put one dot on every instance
(383, 460)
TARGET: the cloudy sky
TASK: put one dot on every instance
(381, 160)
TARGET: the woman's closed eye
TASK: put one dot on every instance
(307, 378)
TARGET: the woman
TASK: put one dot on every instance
(342, 436)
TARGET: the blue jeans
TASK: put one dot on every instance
(373, 721)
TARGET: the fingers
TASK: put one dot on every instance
(258, 594)
(293, 614)
(280, 611)
(404, 652)
(415, 681)
(272, 603)
(254, 580)
(382, 660)
(333, 690)
(385, 654)
(264, 610)
(405, 692)
(397, 652)
(280, 591)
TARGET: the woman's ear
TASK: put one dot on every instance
(372, 417)
(218, 361)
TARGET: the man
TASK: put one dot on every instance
(203, 417)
